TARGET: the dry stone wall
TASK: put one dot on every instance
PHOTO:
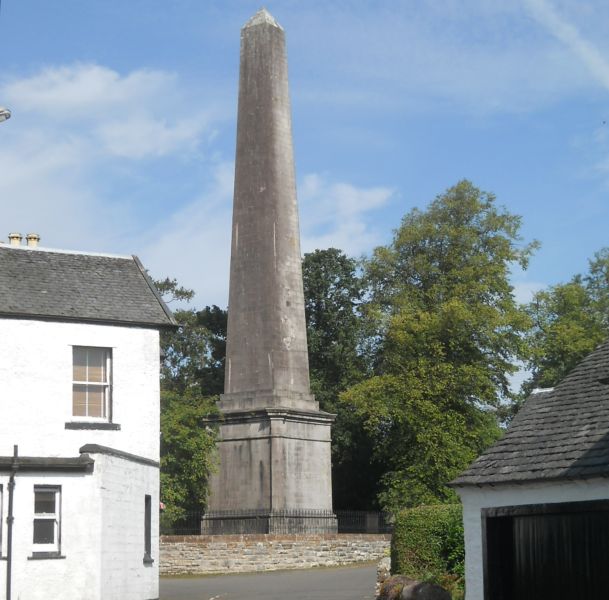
(246, 553)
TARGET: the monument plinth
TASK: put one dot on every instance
(274, 448)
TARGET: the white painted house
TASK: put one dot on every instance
(79, 426)
(536, 504)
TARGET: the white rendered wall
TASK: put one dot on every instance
(475, 499)
(36, 388)
(102, 535)
(75, 577)
(123, 572)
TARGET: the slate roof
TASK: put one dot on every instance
(55, 284)
(561, 434)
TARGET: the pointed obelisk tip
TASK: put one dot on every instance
(263, 16)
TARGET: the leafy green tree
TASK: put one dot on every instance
(336, 332)
(569, 321)
(211, 374)
(192, 358)
(187, 452)
(450, 334)
(333, 293)
(193, 355)
(597, 284)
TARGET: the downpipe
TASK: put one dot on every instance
(9, 524)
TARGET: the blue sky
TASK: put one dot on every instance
(124, 115)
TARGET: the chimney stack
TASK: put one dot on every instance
(32, 240)
(15, 239)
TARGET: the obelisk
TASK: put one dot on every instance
(274, 450)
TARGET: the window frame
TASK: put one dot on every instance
(107, 387)
(1, 519)
(40, 549)
(148, 560)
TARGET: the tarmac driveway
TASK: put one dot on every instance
(341, 583)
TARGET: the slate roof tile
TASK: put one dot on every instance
(560, 434)
(40, 283)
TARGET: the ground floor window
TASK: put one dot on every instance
(148, 529)
(47, 518)
(1, 517)
(549, 551)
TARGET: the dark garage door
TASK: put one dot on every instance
(550, 551)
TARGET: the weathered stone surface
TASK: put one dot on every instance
(266, 355)
(274, 443)
(249, 553)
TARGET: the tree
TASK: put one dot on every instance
(192, 365)
(450, 334)
(193, 355)
(187, 451)
(333, 290)
(569, 321)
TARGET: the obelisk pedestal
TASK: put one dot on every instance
(274, 449)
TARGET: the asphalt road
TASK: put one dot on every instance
(342, 583)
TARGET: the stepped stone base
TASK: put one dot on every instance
(274, 473)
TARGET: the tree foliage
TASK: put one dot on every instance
(192, 366)
(333, 293)
(336, 333)
(194, 353)
(569, 321)
(187, 451)
(449, 334)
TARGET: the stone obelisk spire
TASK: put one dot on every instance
(274, 443)
(266, 355)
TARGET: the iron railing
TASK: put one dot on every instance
(281, 522)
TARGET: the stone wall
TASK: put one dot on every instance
(243, 553)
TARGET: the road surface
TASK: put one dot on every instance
(341, 583)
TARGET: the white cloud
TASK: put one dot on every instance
(136, 116)
(139, 136)
(86, 91)
(335, 214)
(62, 154)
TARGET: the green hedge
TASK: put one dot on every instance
(427, 545)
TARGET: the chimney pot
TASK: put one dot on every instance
(15, 239)
(32, 240)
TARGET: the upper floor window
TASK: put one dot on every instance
(91, 382)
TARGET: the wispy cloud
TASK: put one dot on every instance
(193, 244)
(336, 214)
(470, 56)
(594, 60)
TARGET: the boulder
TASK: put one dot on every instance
(392, 587)
(424, 591)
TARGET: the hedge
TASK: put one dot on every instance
(427, 545)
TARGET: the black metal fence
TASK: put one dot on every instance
(281, 522)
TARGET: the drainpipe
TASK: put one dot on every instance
(9, 521)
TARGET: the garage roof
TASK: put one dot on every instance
(559, 434)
